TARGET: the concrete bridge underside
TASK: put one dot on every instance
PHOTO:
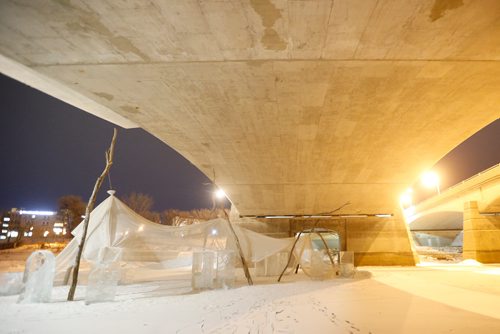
(298, 106)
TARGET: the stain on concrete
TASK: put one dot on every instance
(66, 3)
(267, 11)
(106, 96)
(130, 109)
(441, 6)
(271, 40)
(90, 22)
(269, 15)
(257, 63)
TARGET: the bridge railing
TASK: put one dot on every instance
(445, 192)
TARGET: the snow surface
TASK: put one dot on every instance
(435, 297)
(426, 299)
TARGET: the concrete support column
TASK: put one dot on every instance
(481, 235)
(380, 241)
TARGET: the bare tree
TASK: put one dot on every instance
(142, 204)
(171, 216)
(88, 210)
(72, 207)
(139, 202)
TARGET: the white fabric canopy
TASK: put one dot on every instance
(150, 245)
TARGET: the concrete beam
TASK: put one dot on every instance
(60, 91)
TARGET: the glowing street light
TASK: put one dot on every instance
(220, 194)
(431, 180)
(406, 198)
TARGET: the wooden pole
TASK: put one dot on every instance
(290, 255)
(244, 263)
(88, 210)
(240, 250)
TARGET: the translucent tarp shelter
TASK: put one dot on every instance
(150, 250)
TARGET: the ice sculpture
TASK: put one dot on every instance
(38, 277)
(203, 273)
(320, 265)
(11, 284)
(317, 253)
(104, 276)
(225, 274)
(213, 269)
(272, 265)
(347, 264)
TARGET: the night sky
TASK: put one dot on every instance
(50, 149)
(479, 152)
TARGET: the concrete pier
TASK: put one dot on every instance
(481, 235)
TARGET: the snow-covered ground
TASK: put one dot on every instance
(439, 254)
(431, 298)
(13, 260)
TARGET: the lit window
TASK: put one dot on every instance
(4, 231)
(5, 225)
(3, 237)
(36, 212)
(14, 234)
(6, 219)
(45, 234)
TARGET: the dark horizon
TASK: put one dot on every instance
(51, 149)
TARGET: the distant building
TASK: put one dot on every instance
(30, 226)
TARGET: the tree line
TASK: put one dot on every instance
(73, 207)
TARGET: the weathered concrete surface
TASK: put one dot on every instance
(481, 235)
(298, 106)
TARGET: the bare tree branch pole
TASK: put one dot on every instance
(240, 250)
(238, 245)
(88, 210)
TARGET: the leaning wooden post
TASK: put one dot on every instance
(290, 255)
(88, 210)
(240, 250)
(237, 240)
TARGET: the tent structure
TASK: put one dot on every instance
(149, 249)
